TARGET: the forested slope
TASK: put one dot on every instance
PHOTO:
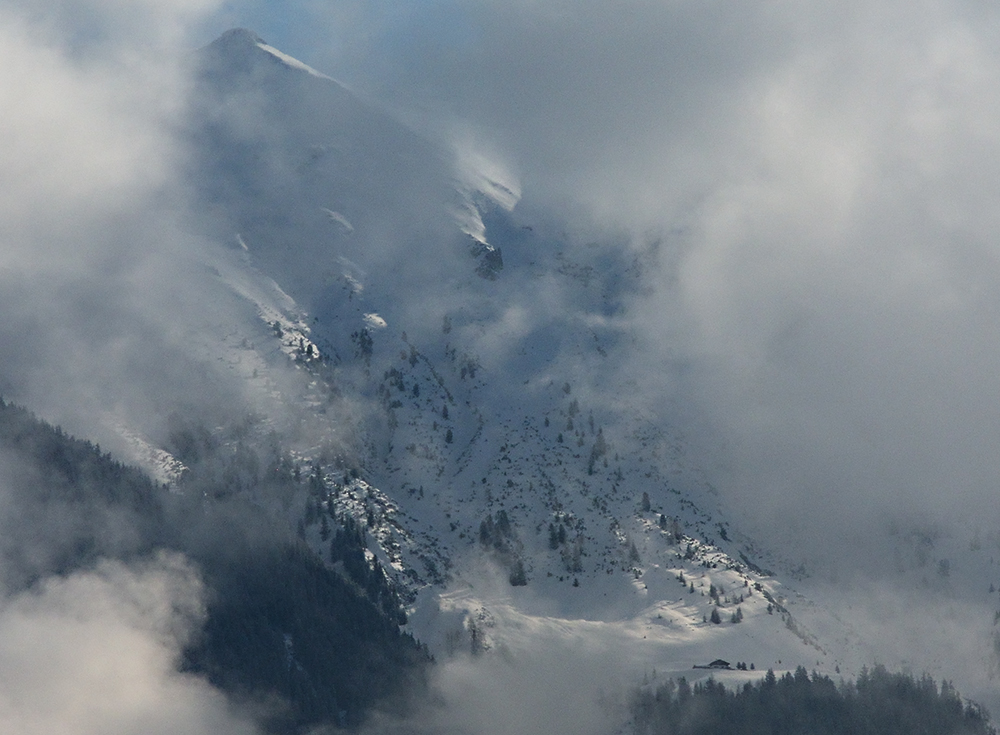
(283, 627)
(878, 703)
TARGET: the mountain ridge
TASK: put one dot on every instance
(448, 375)
(445, 450)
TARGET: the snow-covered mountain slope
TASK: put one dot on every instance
(455, 375)
(310, 172)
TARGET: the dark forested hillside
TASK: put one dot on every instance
(66, 503)
(283, 628)
(281, 622)
(878, 703)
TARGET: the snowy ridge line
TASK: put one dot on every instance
(294, 63)
(161, 464)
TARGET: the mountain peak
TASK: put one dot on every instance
(237, 37)
(233, 51)
(237, 49)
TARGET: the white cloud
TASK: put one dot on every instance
(96, 652)
(555, 688)
(100, 270)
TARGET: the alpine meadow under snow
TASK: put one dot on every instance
(498, 367)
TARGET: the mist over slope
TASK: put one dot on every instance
(203, 592)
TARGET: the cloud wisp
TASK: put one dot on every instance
(99, 287)
(102, 271)
(98, 652)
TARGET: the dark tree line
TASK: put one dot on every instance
(284, 627)
(73, 470)
(67, 503)
(348, 548)
(878, 703)
(281, 623)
